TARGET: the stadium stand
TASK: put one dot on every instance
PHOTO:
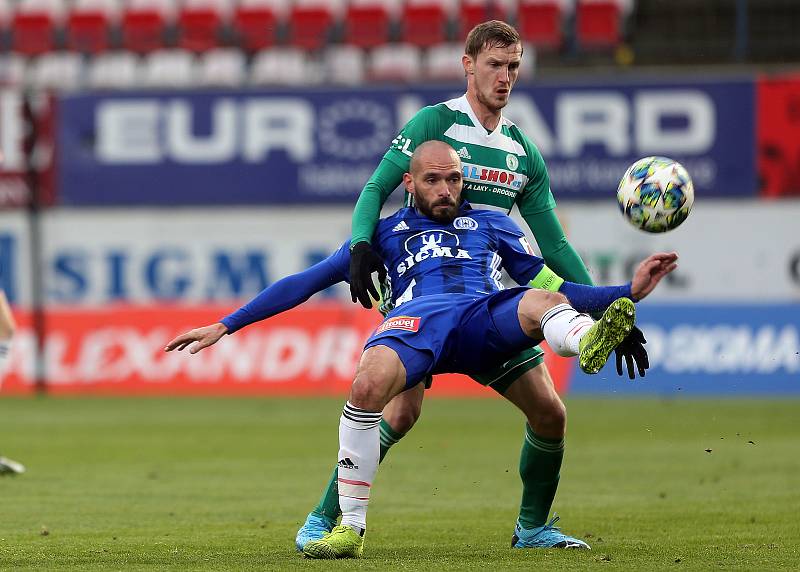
(56, 70)
(344, 65)
(311, 23)
(144, 24)
(368, 23)
(222, 67)
(353, 41)
(443, 62)
(395, 63)
(34, 26)
(599, 23)
(473, 12)
(169, 68)
(541, 22)
(255, 23)
(90, 24)
(283, 66)
(425, 22)
(113, 70)
(200, 24)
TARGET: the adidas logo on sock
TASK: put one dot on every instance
(400, 226)
(464, 154)
(346, 463)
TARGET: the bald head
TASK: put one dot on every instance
(434, 179)
(432, 151)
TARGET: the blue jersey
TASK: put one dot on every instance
(424, 257)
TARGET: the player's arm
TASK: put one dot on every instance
(283, 295)
(527, 268)
(386, 178)
(537, 206)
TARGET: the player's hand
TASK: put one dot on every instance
(363, 262)
(632, 350)
(200, 337)
(650, 272)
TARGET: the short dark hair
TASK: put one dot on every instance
(488, 35)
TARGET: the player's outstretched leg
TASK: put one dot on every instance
(547, 536)
(341, 542)
(606, 334)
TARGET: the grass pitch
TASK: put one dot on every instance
(223, 484)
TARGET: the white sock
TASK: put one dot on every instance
(563, 327)
(359, 453)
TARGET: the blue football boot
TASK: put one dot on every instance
(314, 528)
(547, 536)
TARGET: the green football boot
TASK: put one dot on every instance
(341, 542)
(606, 334)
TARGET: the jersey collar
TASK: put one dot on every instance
(474, 118)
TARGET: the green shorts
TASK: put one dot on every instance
(501, 377)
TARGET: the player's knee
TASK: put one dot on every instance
(543, 298)
(367, 393)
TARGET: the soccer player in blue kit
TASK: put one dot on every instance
(451, 315)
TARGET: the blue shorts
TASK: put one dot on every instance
(453, 333)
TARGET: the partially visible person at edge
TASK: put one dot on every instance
(501, 168)
(7, 327)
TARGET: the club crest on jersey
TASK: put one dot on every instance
(431, 244)
(512, 162)
(465, 223)
(407, 323)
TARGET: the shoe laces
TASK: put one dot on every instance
(550, 526)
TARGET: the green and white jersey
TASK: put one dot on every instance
(501, 168)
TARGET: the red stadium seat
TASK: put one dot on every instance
(367, 25)
(254, 26)
(199, 28)
(474, 12)
(424, 24)
(34, 33)
(539, 23)
(598, 24)
(88, 32)
(310, 25)
(144, 25)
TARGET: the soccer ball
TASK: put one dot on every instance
(655, 194)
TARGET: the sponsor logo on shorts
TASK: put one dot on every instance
(465, 223)
(407, 323)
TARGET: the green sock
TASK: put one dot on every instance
(539, 466)
(328, 505)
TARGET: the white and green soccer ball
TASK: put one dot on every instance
(655, 194)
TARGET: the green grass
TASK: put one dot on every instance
(201, 484)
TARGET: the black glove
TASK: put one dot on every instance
(632, 349)
(363, 262)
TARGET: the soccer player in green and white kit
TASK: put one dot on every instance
(501, 168)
